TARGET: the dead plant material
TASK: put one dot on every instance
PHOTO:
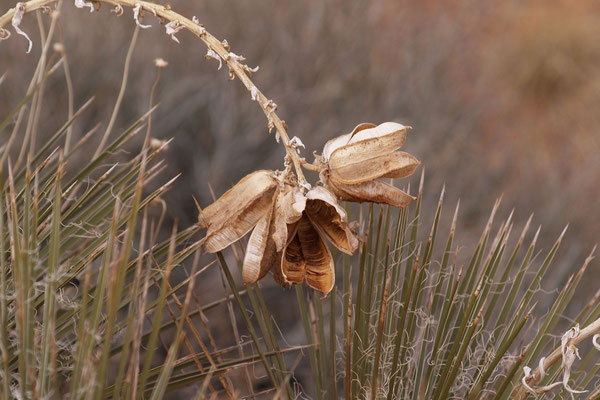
(288, 229)
(235, 213)
(352, 164)
(305, 256)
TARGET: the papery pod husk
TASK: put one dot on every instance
(293, 264)
(330, 219)
(238, 210)
(320, 271)
(279, 235)
(380, 130)
(306, 258)
(277, 274)
(343, 140)
(369, 144)
(260, 253)
(289, 206)
(393, 165)
(373, 191)
(295, 206)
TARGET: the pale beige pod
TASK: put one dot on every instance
(238, 210)
(324, 211)
(342, 140)
(320, 271)
(289, 206)
(354, 165)
(257, 260)
(397, 164)
(369, 143)
(307, 258)
(374, 191)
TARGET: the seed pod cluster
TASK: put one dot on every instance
(288, 229)
(289, 222)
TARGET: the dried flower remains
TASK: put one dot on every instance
(288, 229)
(16, 22)
(352, 164)
(290, 220)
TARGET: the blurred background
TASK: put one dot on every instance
(503, 98)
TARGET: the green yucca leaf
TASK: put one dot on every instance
(161, 384)
(48, 361)
(238, 299)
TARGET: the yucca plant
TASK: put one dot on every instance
(409, 316)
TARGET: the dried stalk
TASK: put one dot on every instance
(587, 332)
(215, 46)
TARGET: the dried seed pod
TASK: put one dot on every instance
(373, 191)
(306, 257)
(369, 144)
(330, 219)
(237, 211)
(257, 260)
(287, 229)
(293, 264)
(288, 209)
(352, 163)
(342, 140)
(320, 271)
(393, 165)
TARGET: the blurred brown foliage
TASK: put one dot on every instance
(501, 95)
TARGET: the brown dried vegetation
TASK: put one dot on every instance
(289, 225)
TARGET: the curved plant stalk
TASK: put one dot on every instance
(216, 49)
(536, 376)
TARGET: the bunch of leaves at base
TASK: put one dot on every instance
(288, 225)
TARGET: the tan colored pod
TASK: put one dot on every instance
(257, 260)
(369, 144)
(238, 210)
(288, 210)
(306, 257)
(320, 271)
(393, 165)
(374, 191)
(343, 140)
(330, 219)
(293, 264)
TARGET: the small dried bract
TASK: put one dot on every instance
(137, 9)
(160, 62)
(16, 21)
(83, 4)
(287, 229)
(118, 10)
(212, 54)
(172, 28)
(201, 29)
(254, 93)
(352, 164)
